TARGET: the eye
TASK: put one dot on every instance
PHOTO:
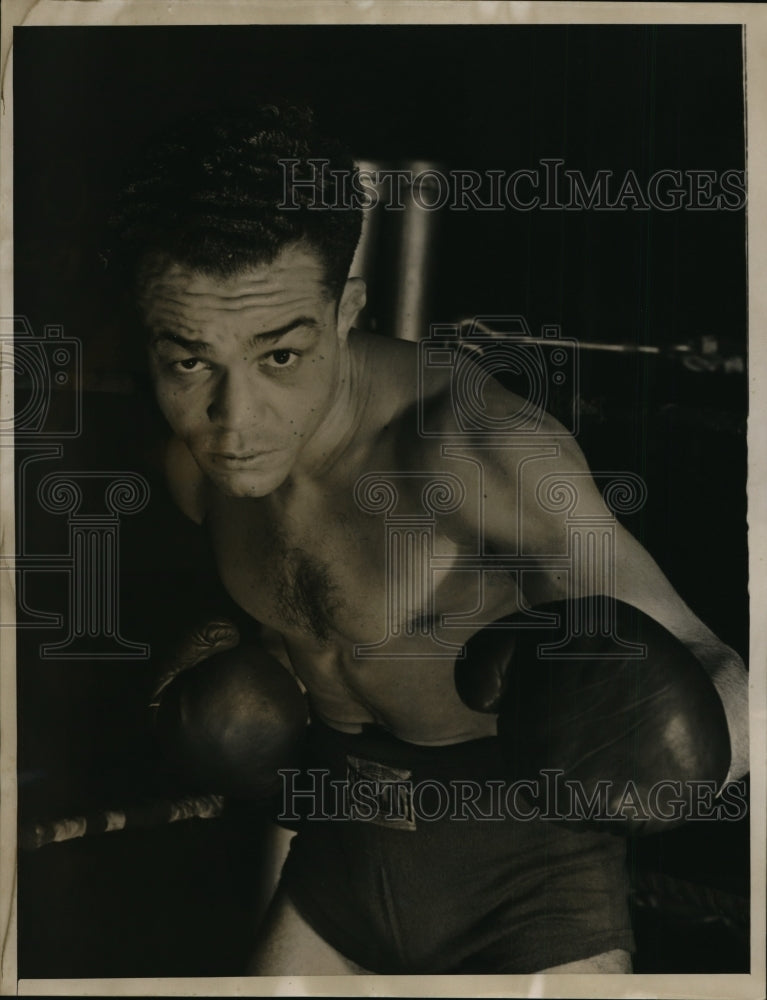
(187, 365)
(283, 357)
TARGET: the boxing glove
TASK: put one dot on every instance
(228, 716)
(620, 714)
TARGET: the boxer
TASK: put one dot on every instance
(280, 408)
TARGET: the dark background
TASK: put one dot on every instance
(643, 98)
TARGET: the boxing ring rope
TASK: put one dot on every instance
(650, 891)
(701, 354)
(145, 815)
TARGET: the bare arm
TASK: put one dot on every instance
(635, 577)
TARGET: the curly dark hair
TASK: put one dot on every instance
(208, 194)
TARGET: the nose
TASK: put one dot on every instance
(236, 401)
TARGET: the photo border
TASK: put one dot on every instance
(753, 18)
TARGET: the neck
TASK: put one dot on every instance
(330, 441)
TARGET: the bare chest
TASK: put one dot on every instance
(329, 572)
(373, 608)
(293, 572)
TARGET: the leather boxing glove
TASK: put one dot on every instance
(228, 716)
(629, 728)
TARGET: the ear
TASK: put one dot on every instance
(352, 301)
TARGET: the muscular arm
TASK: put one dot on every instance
(636, 577)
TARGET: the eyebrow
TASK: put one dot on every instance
(267, 337)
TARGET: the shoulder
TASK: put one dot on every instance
(438, 401)
(185, 480)
(526, 461)
(473, 409)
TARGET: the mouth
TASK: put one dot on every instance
(241, 460)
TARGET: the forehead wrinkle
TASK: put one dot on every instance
(220, 292)
(245, 305)
(206, 326)
(217, 303)
(278, 281)
(159, 313)
(278, 277)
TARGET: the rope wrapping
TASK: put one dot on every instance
(143, 815)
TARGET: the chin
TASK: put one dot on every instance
(243, 484)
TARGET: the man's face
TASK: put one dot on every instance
(245, 368)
